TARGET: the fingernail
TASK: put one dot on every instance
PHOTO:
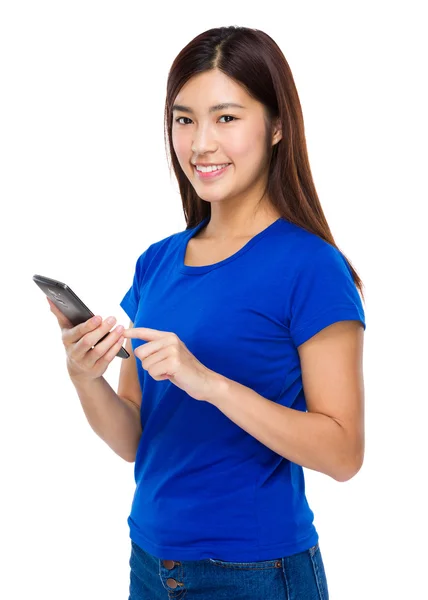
(111, 320)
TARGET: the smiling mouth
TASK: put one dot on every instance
(210, 174)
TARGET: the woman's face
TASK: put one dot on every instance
(203, 136)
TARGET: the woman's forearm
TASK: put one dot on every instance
(312, 440)
(112, 418)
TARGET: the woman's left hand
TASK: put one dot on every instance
(165, 356)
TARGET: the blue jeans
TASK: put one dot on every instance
(297, 577)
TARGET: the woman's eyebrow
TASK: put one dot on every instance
(215, 108)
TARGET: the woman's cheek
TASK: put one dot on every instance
(238, 151)
(244, 145)
(180, 145)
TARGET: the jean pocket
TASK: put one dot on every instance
(258, 565)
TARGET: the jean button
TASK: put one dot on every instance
(168, 564)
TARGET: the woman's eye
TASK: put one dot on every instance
(222, 117)
(227, 117)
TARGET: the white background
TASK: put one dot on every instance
(85, 189)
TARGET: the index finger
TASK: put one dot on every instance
(143, 333)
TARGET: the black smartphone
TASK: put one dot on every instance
(69, 303)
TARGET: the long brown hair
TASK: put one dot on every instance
(255, 61)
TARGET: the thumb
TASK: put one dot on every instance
(63, 321)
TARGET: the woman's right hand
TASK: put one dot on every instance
(85, 362)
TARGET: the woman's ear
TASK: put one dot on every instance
(277, 134)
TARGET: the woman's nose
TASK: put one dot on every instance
(204, 141)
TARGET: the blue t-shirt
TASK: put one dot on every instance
(205, 488)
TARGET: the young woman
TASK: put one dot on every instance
(246, 343)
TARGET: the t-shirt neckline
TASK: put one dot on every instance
(199, 270)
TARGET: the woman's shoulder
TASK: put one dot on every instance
(305, 246)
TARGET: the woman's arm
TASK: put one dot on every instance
(114, 419)
(329, 437)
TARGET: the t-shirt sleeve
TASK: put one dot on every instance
(323, 293)
(130, 301)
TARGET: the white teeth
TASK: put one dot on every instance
(210, 168)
